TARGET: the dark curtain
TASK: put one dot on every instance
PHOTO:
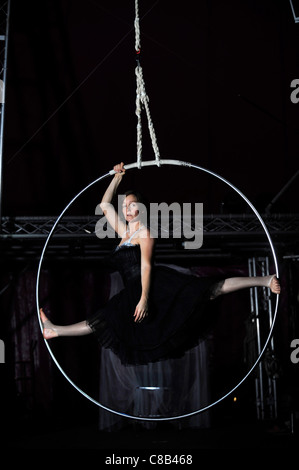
(70, 293)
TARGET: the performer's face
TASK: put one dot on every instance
(130, 208)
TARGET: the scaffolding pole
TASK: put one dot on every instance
(262, 315)
(4, 29)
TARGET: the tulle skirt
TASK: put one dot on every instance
(178, 317)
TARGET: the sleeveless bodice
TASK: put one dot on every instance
(126, 259)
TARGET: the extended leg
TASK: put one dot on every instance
(233, 284)
(51, 331)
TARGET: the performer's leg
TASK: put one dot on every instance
(51, 331)
(236, 283)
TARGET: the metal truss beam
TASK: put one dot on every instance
(258, 326)
(214, 224)
(74, 237)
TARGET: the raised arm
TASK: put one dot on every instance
(106, 203)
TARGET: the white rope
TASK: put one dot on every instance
(137, 27)
(142, 100)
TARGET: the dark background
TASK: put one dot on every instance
(218, 75)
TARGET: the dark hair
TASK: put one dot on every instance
(140, 197)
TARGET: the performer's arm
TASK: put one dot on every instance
(147, 248)
(106, 206)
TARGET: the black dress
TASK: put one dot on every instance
(177, 311)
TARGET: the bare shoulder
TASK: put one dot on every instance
(145, 237)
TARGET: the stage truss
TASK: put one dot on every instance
(224, 235)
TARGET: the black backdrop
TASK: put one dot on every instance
(218, 75)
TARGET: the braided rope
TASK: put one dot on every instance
(142, 99)
(137, 27)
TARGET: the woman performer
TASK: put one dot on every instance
(159, 313)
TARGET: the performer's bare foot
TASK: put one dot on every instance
(49, 330)
(274, 284)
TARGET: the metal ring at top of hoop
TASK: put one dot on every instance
(144, 164)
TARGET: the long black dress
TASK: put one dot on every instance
(176, 318)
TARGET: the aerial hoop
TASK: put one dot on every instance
(128, 167)
(142, 102)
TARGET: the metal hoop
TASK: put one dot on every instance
(144, 164)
